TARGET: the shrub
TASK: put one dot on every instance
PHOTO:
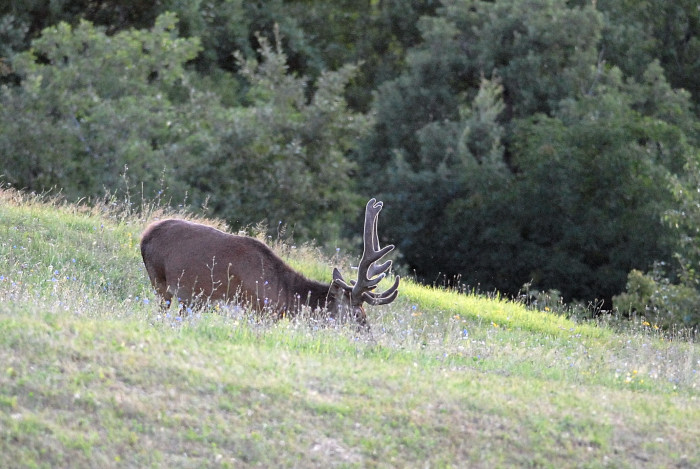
(660, 301)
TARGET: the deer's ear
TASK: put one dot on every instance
(335, 290)
(338, 280)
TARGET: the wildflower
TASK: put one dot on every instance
(646, 323)
(494, 324)
(546, 308)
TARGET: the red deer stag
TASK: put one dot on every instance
(197, 263)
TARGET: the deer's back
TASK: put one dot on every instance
(190, 257)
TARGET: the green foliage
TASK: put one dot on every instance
(654, 297)
(669, 293)
(459, 168)
(637, 33)
(317, 35)
(91, 105)
(226, 26)
(31, 17)
(12, 34)
(684, 219)
(283, 159)
(455, 151)
(542, 50)
(554, 174)
(671, 296)
(598, 170)
(374, 34)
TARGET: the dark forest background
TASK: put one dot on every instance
(546, 146)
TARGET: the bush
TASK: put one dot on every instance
(660, 301)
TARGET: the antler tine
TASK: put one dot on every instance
(375, 235)
(385, 297)
(375, 269)
(371, 251)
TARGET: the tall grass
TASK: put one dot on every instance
(92, 372)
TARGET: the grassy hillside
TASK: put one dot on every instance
(91, 374)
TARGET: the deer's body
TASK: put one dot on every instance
(194, 262)
(197, 263)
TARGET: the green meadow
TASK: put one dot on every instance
(94, 374)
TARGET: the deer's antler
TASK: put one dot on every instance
(369, 273)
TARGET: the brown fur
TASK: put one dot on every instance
(196, 263)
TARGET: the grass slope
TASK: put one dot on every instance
(91, 374)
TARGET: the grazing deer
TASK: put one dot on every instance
(197, 263)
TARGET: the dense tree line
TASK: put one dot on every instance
(547, 142)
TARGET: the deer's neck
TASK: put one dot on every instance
(305, 292)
